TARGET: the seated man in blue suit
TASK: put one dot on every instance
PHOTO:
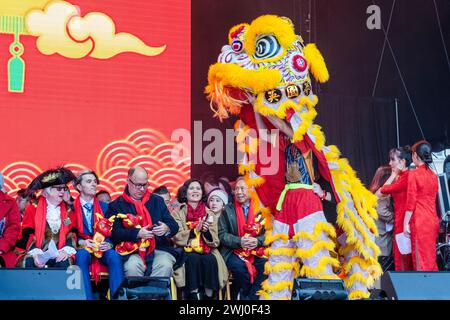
(143, 228)
(88, 211)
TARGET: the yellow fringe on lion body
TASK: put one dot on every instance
(242, 147)
(356, 190)
(315, 248)
(345, 179)
(346, 249)
(357, 225)
(269, 238)
(281, 252)
(283, 266)
(358, 294)
(249, 148)
(318, 229)
(307, 120)
(246, 168)
(356, 260)
(320, 137)
(266, 296)
(317, 272)
(242, 134)
(348, 227)
(355, 277)
(333, 154)
(254, 182)
(267, 215)
(263, 294)
(345, 172)
(280, 286)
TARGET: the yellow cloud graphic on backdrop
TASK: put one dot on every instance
(60, 29)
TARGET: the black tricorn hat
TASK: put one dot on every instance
(52, 177)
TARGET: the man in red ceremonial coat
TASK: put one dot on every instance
(47, 223)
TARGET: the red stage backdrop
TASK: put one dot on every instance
(94, 84)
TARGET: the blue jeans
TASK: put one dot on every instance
(115, 269)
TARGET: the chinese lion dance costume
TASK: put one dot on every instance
(263, 76)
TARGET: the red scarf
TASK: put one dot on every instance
(192, 219)
(141, 210)
(241, 217)
(79, 216)
(143, 213)
(38, 223)
(195, 214)
(95, 265)
(248, 256)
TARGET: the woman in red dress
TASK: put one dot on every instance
(396, 186)
(421, 221)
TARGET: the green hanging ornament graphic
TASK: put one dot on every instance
(16, 65)
(16, 68)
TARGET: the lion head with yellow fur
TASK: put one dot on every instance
(266, 64)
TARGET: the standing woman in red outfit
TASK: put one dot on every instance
(421, 222)
(396, 186)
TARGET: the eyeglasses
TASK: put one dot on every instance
(139, 185)
(58, 188)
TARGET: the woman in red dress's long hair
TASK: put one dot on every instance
(421, 221)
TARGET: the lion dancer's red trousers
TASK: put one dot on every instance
(300, 236)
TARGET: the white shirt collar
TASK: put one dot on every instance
(83, 202)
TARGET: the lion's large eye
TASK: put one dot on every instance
(267, 46)
(237, 46)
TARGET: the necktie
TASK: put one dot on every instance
(245, 208)
(89, 208)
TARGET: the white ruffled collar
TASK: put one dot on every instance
(53, 217)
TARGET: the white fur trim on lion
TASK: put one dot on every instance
(308, 223)
(333, 165)
(280, 227)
